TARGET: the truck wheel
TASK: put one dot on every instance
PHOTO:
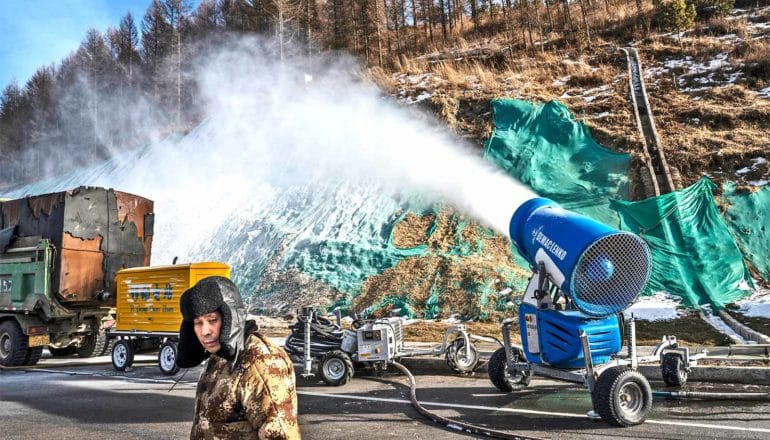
(107, 349)
(100, 348)
(672, 369)
(622, 397)
(336, 368)
(122, 354)
(93, 345)
(167, 358)
(457, 360)
(13, 344)
(59, 352)
(33, 355)
(502, 377)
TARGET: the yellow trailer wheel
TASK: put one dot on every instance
(167, 358)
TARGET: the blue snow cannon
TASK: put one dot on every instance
(584, 275)
(602, 269)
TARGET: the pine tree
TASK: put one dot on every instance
(676, 16)
(175, 12)
(94, 61)
(124, 44)
(157, 34)
(40, 92)
(13, 110)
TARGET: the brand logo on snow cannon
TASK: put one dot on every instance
(550, 245)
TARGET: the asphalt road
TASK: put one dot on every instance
(67, 399)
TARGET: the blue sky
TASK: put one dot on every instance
(34, 33)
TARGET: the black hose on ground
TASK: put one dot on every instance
(710, 396)
(453, 424)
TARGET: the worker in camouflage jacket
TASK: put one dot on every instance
(247, 389)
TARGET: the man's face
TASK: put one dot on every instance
(207, 329)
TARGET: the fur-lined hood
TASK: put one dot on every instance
(206, 296)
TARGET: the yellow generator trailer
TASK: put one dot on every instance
(147, 310)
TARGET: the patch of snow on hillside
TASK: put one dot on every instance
(597, 92)
(722, 327)
(421, 97)
(661, 306)
(757, 305)
(745, 170)
(712, 73)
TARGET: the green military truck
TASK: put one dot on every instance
(59, 254)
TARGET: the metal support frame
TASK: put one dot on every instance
(308, 313)
(438, 350)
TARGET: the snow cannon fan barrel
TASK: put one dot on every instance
(601, 269)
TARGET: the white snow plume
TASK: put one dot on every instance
(268, 123)
(272, 128)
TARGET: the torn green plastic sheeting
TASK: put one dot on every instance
(546, 148)
(748, 217)
(693, 253)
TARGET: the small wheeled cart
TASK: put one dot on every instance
(148, 315)
(332, 353)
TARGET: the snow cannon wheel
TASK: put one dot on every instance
(336, 368)
(457, 360)
(167, 358)
(622, 397)
(673, 370)
(122, 355)
(502, 377)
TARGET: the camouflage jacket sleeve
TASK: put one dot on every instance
(268, 392)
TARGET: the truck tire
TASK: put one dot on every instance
(33, 355)
(13, 344)
(100, 348)
(167, 358)
(107, 349)
(92, 345)
(122, 354)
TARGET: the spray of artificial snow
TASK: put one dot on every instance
(272, 125)
(271, 121)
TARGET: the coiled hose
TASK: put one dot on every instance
(325, 336)
(453, 424)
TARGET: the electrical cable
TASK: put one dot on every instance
(453, 424)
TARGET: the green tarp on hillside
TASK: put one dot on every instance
(748, 216)
(694, 256)
(544, 147)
